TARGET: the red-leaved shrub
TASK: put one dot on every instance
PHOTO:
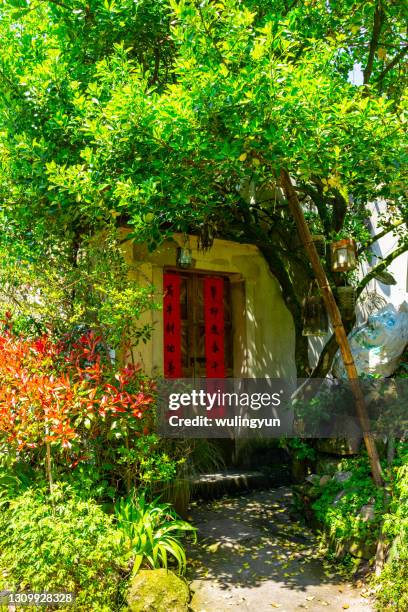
(65, 393)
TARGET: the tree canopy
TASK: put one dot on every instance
(178, 116)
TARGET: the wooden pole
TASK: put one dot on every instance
(337, 323)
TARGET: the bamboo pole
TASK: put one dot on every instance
(337, 323)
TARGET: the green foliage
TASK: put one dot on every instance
(65, 542)
(299, 449)
(341, 519)
(392, 591)
(340, 515)
(147, 462)
(165, 116)
(62, 543)
(84, 286)
(151, 533)
(396, 518)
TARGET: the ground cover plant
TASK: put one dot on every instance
(391, 587)
(339, 504)
(338, 507)
(63, 542)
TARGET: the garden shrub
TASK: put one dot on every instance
(392, 584)
(67, 401)
(61, 543)
(340, 515)
(76, 429)
(151, 533)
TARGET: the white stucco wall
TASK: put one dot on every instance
(394, 294)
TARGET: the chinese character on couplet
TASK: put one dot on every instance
(170, 367)
(170, 328)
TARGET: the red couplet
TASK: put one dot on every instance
(172, 326)
(214, 327)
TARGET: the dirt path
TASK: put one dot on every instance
(252, 556)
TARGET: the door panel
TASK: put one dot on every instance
(193, 353)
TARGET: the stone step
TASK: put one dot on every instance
(216, 484)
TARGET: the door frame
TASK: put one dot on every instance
(237, 305)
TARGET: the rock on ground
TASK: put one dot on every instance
(158, 591)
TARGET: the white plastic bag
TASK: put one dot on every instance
(378, 345)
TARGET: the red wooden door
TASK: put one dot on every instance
(202, 344)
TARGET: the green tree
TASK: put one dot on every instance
(179, 116)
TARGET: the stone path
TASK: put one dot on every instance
(252, 556)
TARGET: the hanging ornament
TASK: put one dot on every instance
(343, 255)
(314, 314)
(206, 235)
(185, 254)
(347, 301)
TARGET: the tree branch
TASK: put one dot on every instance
(155, 76)
(383, 233)
(392, 63)
(325, 358)
(277, 267)
(339, 210)
(379, 18)
(318, 199)
(62, 5)
(381, 267)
